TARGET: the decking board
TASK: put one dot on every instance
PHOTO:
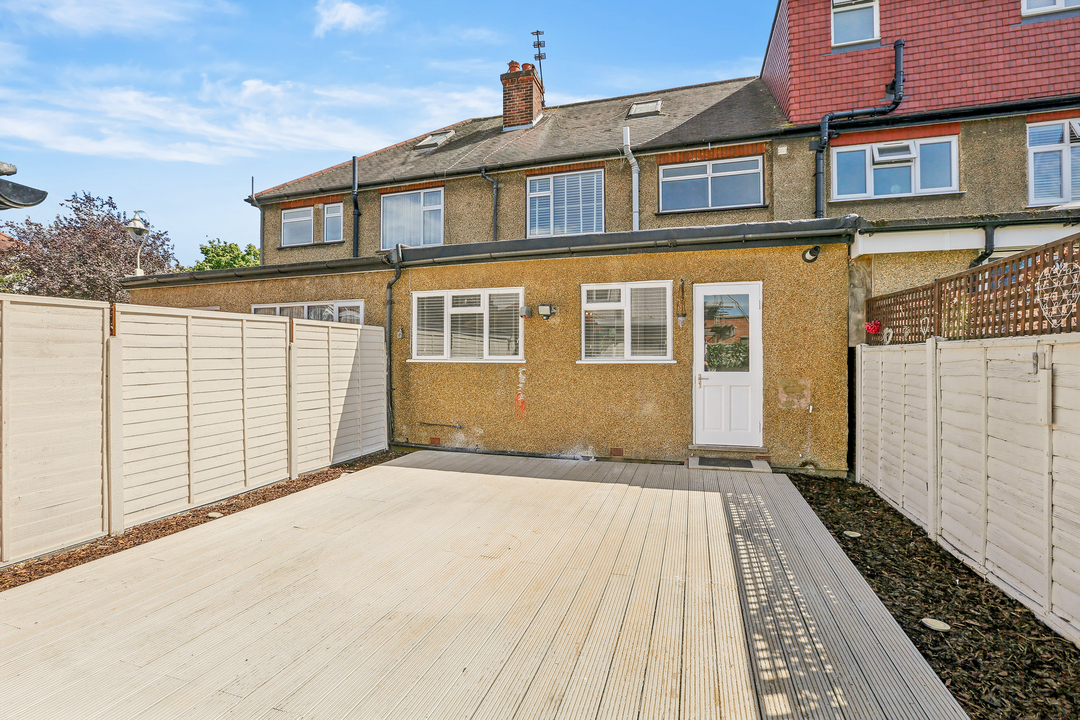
(463, 585)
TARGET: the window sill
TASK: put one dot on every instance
(626, 362)
(310, 244)
(856, 46)
(411, 247)
(1034, 16)
(541, 237)
(920, 196)
(706, 210)
(471, 361)
(1047, 206)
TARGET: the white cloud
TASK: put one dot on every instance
(224, 119)
(106, 16)
(11, 56)
(347, 16)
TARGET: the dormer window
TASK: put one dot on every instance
(434, 140)
(854, 21)
(644, 108)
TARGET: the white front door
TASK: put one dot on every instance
(727, 364)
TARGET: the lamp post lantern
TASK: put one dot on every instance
(138, 227)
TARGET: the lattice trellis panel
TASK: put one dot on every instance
(1030, 293)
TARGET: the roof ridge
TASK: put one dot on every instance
(654, 92)
(363, 157)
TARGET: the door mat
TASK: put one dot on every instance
(725, 463)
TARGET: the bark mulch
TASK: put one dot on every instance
(24, 572)
(998, 660)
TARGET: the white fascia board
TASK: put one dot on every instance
(880, 243)
(1010, 237)
(1022, 237)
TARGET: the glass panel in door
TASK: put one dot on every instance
(726, 333)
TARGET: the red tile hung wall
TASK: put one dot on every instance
(958, 53)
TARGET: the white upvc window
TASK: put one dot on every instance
(1054, 162)
(468, 325)
(854, 21)
(626, 322)
(1038, 7)
(927, 166)
(332, 227)
(343, 311)
(412, 218)
(297, 227)
(566, 204)
(714, 184)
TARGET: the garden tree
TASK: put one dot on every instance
(82, 254)
(220, 255)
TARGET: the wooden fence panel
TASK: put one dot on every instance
(53, 480)
(983, 467)
(116, 415)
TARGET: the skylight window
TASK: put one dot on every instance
(644, 108)
(434, 140)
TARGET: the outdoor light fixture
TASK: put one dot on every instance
(545, 311)
(810, 254)
(680, 314)
(138, 227)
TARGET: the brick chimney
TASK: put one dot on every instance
(523, 96)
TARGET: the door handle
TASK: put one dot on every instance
(699, 381)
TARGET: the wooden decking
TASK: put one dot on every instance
(467, 586)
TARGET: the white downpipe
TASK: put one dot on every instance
(634, 173)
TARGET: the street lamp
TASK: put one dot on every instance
(138, 227)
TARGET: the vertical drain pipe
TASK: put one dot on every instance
(396, 257)
(355, 213)
(634, 172)
(494, 204)
(823, 141)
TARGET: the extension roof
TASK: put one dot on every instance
(695, 115)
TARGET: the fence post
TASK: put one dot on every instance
(1046, 400)
(114, 433)
(860, 402)
(243, 397)
(933, 441)
(190, 416)
(290, 402)
(5, 455)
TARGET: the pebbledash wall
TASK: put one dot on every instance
(572, 408)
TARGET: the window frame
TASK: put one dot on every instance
(1069, 125)
(915, 164)
(1059, 6)
(335, 303)
(529, 195)
(309, 219)
(340, 214)
(448, 311)
(847, 7)
(624, 305)
(709, 174)
(422, 192)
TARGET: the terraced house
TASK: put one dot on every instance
(681, 272)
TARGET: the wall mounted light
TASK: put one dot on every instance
(811, 254)
(680, 307)
(545, 310)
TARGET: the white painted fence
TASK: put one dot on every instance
(978, 442)
(115, 415)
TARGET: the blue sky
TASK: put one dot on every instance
(172, 106)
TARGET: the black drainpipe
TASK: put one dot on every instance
(355, 213)
(988, 246)
(897, 89)
(494, 204)
(396, 258)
